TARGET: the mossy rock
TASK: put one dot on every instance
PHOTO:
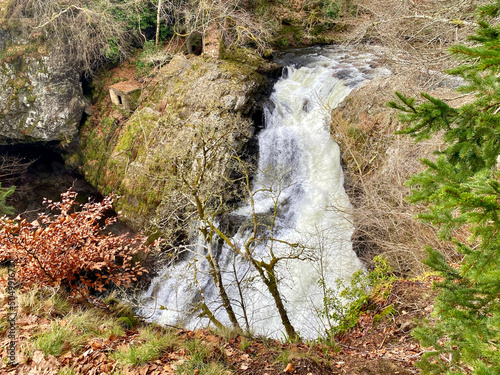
(189, 98)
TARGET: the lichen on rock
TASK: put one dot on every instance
(40, 101)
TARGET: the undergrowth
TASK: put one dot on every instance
(344, 304)
(200, 360)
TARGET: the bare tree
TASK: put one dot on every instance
(203, 198)
(210, 174)
(12, 167)
(84, 32)
(263, 235)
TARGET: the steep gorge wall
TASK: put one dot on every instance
(135, 155)
(378, 162)
(191, 102)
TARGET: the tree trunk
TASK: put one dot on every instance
(272, 286)
(206, 311)
(217, 275)
(158, 12)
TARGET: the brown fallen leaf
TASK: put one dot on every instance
(94, 344)
(289, 368)
(87, 367)
(87, 353)
(212, 338)
(66, 355)
(168, 369)
(105, 367)
(44, 321)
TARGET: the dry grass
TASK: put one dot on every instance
(413, 34)
(413, 37)
(411, 25)
(378, 164)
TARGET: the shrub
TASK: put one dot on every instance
(344, 304)
(69, 249)
(86, 32)
(331, 9)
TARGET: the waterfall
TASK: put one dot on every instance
(299, 186)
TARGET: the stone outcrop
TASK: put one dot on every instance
(191, 101)
(39, 100)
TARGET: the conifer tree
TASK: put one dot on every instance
(4, 194)
(461, 190)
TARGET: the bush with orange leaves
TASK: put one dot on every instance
(69, 249)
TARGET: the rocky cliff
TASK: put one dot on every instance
(192, 100)
(191, 104)
(40, 100)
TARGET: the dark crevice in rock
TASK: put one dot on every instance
(86, 85)
(47, 178)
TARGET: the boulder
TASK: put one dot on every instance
(39, 100)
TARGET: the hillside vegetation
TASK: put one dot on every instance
(75, 307)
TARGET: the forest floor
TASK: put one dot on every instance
(103, 337)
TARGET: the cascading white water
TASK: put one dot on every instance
(300, 178)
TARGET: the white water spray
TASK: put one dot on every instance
(299, 168)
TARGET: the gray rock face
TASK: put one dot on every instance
(213, 84)
(39, 102)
